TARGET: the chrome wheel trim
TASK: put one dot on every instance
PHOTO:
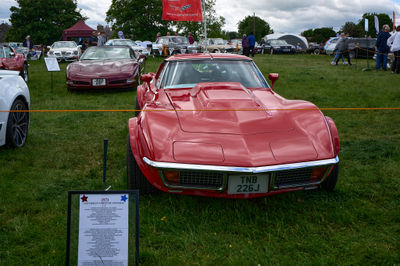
(19, 126)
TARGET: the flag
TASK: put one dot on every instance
(376, 24)
(182, 10)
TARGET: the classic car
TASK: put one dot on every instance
(217, 45)
(11, 60)
(65, 51)
(170, 45)
(315, 48)
(14, 96)
(105, 67)
(280, 46)
(137, 48)
(210, 125)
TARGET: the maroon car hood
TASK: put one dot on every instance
(227, 108)
(102, 66)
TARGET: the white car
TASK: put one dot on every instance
(65, 51)
(14, 96)
(137, 48)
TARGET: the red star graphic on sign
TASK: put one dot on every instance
(84, 198)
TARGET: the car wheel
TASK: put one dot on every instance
(216, 51)
(330, 182)
(17, 124)
(137, 107)
(317, 51)
(24, 73)
(135, 177)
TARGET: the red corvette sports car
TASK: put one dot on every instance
(11, 60)
(105, 67)
(211, 125)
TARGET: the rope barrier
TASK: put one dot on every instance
(214, 110)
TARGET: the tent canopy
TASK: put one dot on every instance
(290, 38)
(80, 29)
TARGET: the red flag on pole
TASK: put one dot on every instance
(182, 10)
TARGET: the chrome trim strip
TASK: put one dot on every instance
(237, 169)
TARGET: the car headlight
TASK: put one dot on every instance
(131, 80)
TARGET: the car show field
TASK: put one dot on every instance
(357, 223)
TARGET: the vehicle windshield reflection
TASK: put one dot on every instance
(186, 74)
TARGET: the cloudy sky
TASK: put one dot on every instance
(293, 16)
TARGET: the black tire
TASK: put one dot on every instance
(135, 177)
(330, 182)
(17, 124)
(317, 51)
(24, 73)
(137, 107)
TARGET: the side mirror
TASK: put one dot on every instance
(48, 47)
(12, 54)
(142, 56)
(146, 78)
(79, 46)
(273, 77)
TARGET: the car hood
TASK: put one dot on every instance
(102, 66)
(63, 49)
(225, 108)
(228, 124)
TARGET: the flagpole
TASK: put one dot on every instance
(203, 2)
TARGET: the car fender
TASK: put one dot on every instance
(334, 134)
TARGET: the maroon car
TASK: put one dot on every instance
(105, 67)
(11, 60)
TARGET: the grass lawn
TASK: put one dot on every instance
(359, 223)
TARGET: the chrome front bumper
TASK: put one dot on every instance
(272, 169)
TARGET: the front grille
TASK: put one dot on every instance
(293, 177)
(123, 81)
(81, 82)
(201, 179)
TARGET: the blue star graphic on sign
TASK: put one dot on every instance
(124, 198)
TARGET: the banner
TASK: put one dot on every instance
(376, 24)
(182, 10)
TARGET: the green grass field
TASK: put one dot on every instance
(359, 223)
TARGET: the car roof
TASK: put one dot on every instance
(227, 56)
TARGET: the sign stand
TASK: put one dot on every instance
(52, 66)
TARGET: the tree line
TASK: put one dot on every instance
(45, 20)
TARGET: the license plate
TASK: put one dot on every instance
(98, 82)
(244, 184)
(286, 50)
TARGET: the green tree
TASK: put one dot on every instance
(319, 35)
(44, 20)
(382, 18)
(214, 24)
(353, 29)
(248, 24)
(138, 19)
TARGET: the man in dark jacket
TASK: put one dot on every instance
(252, 43)
(28, 43)
(382, 47)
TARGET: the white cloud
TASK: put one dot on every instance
(292, 16)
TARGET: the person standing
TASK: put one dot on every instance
(344, 48)
(101, 39)
(191, 39)
(158, 35)
(252, 43)
(382, 47)
(93, 39)
(245, 45)
(28, 43)
(394, 43)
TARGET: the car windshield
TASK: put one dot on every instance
(218, 41)
(122, 42)
(278, 42)
(110, 52)
(179, 39)
(186, 74)
(64, 45)
(2, 54)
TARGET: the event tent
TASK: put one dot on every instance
(79, 30)
(290, 38)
